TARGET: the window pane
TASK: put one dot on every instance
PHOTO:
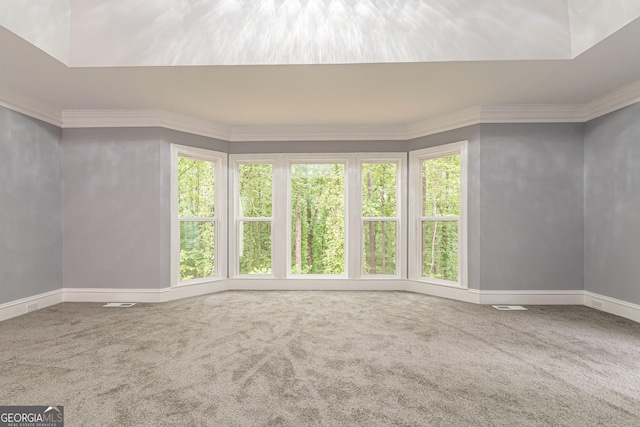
(441, 186)
(254, 239)
(317, 219)
(197, 256)
(255, 190)
(440, 250)
(379, 189)
(195, 188)
(379, 251)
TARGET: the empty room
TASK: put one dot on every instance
(320, 213)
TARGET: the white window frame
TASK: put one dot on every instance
(347, 161)
(236, 160)
(220, 218)
(401, 199)
(281, 213)
(415, 212)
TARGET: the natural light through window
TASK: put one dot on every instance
(196, 209)
(317, 206)
(255, 218)
(441, 215)
(198, 180)
(379, 218)
(439, 227)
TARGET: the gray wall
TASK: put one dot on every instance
(525, 202)
(551, 206)
(116, 205)
(531, 206)
(612, 205)
(30, 207)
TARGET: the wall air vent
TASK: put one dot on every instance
(119, 304)
(509, 307)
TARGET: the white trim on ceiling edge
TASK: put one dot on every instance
(619, 98)
(489, 297)
(15, 101)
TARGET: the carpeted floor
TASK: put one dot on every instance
(325, 359)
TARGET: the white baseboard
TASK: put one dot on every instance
(316, 284)
(142, 295)
(533, 297)
(459, 294)
(21, 306)
(114, 295)
(611, 305)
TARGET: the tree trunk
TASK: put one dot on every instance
(298, 235)
(309, 236)
(432, 269)
(383, 240)
(259, 248)
(372, 230)
(298, 250)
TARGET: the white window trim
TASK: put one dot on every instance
(416, 218)
(347, 160)
(400, 158)
(221, 247)
(235, 161)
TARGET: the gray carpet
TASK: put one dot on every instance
(325, 359)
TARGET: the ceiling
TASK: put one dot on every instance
(379, 93)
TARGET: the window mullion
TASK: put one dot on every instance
(197, 219)
(440, 218)
(380, 218)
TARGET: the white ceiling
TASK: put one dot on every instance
(380, 94)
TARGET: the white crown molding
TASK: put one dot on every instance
(20, 103)
(619, 98)
(540, 113)
(467, 117)
(144, 118)
(608, 103)
(459, 119)
(319, 133)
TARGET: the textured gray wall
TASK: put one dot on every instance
(612, 205)
(471, 134)
(546, 211)
(116, 208)
(531, 206)
(30, 207)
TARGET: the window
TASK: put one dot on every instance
(380, 217)
(308, 216)
(198, 206)
(439, 229)
(253, 217)
(317, 213)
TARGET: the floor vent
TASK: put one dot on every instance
(119, 304)
(509, 307)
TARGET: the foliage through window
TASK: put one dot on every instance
(440, 217)
(196, 213)
(379, 217)
(255, 218)
(317, 206)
